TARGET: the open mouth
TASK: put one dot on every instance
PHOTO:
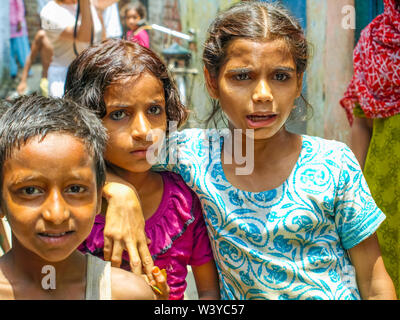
(260, 120)
(54, 235)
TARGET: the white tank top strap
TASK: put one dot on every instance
(98, 278)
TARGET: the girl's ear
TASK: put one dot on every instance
(299, 84)
(99, 204)
(211, 84)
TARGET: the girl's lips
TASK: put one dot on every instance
(55, 238)
(141, 153)
(260, 120)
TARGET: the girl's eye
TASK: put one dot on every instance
(75, 189)
(154, 110)
(118, 115)
(30, 191)
(281, 77)
(242, 76)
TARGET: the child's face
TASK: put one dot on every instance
(257, 86)
(132, 18)
(135, 106)
(50, 195)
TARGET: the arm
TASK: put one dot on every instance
(125, 226)
(102, 4)
(129, 286)
(84, 29)
(372, 279)
(206, 277)
(361, 133)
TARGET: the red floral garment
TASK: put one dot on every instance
(376, 82)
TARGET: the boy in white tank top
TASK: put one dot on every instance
(52, 174)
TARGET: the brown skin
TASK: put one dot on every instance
(132, 18)
(61, 196)
(135, 106)
(361, 134)
(246, 84)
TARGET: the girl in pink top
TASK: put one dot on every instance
(134, 15)
(129, 88)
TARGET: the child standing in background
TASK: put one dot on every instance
(301, 224)
(134, 15)
(129, 88)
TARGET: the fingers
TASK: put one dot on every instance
(161, 288)
(108, 243)
(116, 257)
(147, 261)
(134, 259)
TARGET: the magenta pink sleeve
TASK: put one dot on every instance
(20, 11)
(142, 38)
(201, 251)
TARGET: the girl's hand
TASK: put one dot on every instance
(159, 284)
(124, 229)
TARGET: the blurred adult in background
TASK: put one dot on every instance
(42, 46)
(112, 22)
(19, 43)
(58, 20)
(372, 104)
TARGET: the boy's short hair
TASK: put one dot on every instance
(33, 115)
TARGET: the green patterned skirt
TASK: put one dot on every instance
(382, 172)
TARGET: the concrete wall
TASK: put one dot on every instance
(4, 41)
(330, 69)
(198, 15)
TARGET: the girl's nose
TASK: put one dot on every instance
(262, 92)
(140, 126)
(56, 210)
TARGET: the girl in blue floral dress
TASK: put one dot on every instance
(293, 218)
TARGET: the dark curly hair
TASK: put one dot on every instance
(112, 60)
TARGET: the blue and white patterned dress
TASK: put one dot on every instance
(285, 243)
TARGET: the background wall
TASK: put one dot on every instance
(4, 41)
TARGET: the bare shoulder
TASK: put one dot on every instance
(129, 286)
(6, 290)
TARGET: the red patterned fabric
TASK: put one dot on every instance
(376, 82)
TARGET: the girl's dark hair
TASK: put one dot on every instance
(258, 21)
(137, 6)
(103, 64)
(32, 115)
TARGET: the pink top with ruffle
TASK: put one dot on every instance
(177, 232)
